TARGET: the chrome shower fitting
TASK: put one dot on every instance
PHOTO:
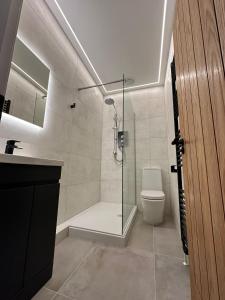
(110, 101)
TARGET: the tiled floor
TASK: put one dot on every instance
(149, 268)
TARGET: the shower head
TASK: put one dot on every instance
(109, 101)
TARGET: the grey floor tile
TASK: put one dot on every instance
(60, 297)
(172, 279)
(141, 237)
(168, 222)
(44, 294)
(167, 241)
(68, 255)
(112, 274)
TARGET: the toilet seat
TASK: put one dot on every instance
(152, 195)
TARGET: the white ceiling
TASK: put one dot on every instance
(116, 37)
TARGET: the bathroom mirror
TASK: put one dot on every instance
(27, 87)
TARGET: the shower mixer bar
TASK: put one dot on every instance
(127, 81)
(99, 85)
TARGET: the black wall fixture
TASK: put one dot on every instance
(178, 142)
(2, 100)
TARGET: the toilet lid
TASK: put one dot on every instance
(152, 194)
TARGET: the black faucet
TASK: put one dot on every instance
(10, 146)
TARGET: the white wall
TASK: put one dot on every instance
(70, 135)
(171, 135)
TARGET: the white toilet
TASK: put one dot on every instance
(152, 196)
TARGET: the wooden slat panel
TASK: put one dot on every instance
(200, 154)
(193, 191)
(199, 142)
(199, 39)
(194, 162)
(215, 74)
(187, 161)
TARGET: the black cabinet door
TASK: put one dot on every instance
(42, 232)
(15, 216)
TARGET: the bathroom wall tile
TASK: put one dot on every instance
(142, 129)
(110, 170)
(142, 163)
(83, 169)
(157, 127)
(148, 102)
(168, 210)
(143, 149)
(59, 98)
(107, 150)
(81, 196)
(111, 191)
(157, 107)
(163, 164)
(159, 148)
(85, 145)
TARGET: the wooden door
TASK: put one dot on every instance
(199, 42)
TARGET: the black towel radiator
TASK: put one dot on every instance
(179, 144)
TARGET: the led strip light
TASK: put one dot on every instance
(92, 67)
(19, 70)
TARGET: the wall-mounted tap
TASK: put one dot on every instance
(10, 146)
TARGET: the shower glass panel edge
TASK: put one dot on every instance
(129, 161)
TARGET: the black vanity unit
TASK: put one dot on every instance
(29, 203)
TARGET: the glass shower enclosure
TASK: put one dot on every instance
(113, 214)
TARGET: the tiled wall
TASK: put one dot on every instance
(151, 136)
(151, 142)
(171, 135)
(70, 135)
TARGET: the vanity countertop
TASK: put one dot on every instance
(26, 160)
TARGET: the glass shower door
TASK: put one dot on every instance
(129, 161)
